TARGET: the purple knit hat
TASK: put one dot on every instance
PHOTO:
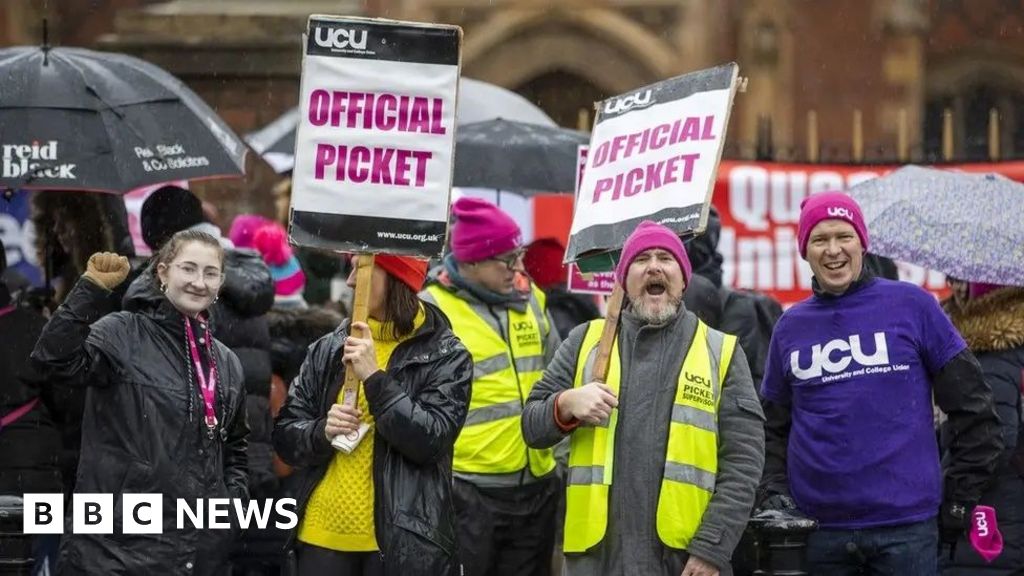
(482, 230)
(649, 235)
(829, 206)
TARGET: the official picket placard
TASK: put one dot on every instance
(376, 135)
(654, 154)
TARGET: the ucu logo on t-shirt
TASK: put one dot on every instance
(836, 355)
(840, 212)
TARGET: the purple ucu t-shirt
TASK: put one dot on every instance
(857, 371)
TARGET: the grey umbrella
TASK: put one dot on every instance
(516, 156)
(75, 119)
(965, 225)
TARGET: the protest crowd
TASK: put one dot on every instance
(462, 409)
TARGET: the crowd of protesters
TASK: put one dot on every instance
(486, 442)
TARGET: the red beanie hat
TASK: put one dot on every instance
(482, 230)
(408, 270)
(829, 206)
(649, 235)
(543, 262)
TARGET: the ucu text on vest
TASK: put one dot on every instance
(526, 333)
(22, 160)
(836, 356)
(143, 513)
(699, 391)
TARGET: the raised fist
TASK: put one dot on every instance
(107, 269)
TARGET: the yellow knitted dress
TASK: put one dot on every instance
(339, 515)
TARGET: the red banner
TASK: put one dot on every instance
(759, 203)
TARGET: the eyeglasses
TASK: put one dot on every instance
(192, 273)
(511, 259)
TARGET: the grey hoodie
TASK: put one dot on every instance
(651, 357)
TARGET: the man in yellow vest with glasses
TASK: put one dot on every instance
(506, 494)
(665, 456)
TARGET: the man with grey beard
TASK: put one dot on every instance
(664, 456)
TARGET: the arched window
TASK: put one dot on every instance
(562, 94)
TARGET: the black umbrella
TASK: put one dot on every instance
(516, 156)
(76, 119)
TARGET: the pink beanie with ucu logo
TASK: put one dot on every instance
(829, 206)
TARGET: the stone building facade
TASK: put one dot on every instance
(897, 62)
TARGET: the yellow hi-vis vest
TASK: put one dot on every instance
(691, 455)
(505, 368)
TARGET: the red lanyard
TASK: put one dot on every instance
(207, 386)
(7, 309)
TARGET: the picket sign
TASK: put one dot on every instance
(374, 148)
(653, 155)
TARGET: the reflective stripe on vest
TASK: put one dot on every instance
(506, 365)
(691, 455)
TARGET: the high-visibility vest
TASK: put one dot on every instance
(691, 455)
(505, 368)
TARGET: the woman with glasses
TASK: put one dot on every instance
(164, 411)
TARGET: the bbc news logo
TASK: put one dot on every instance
(144, 513)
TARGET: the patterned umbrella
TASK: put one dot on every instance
(969, 226)
(75, 119)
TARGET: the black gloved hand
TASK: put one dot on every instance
(780, 502)
(954, 521)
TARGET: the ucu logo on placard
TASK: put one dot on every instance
(340, 38)
(849, 350)
(638, 100)
(840, 212)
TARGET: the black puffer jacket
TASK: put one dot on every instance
(751, 316)
(238, 320)
(419, 406)
(993, 327)
(144, 432)
(29, 446)
(293, 331)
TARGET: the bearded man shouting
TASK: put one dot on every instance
(665, 456)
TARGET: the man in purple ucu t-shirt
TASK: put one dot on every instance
(848, 388)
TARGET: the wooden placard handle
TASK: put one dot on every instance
(611, 329)
(360, 313)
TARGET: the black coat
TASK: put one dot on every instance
(143, 430)
(749, 315)
(993, 327)
(569, 310)
(418, 406)
(238, 320)
(30, 446)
